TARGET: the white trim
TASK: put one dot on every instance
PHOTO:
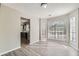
(74, 48)
(34, 42)
(9, 51)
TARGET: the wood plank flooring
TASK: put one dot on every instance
(47, 48)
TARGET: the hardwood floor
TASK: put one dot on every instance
(47, 48)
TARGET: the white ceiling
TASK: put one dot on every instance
(34, 9)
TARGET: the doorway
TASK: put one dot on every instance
(25, 31)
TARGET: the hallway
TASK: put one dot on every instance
(45, 48)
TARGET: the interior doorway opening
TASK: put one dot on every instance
(25, 31)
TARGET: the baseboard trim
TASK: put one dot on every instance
(9, 51)
(74, 48)
(33, 42)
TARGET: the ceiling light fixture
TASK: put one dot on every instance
(44, 5)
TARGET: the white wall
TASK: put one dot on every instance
(43, 29)
(9, 29)
(34, 30)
